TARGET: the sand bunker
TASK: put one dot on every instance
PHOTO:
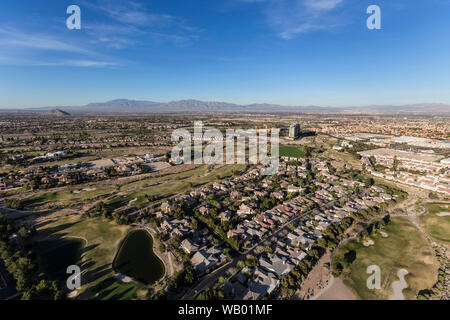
(368, 243)
(123, 278)
(72, 294)
(398, 286)
(443, 214)
(384, 234)
(89, 189)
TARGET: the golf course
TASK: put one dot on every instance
(399, 245)
(436, 222)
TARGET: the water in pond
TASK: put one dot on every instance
(137, 259)
(55, 255)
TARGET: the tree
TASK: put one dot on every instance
(13, 204)
(350, 256)
(251, 261)
(337, 269)
(211, 294)
(23, 233)
(241, 264)
(395, 163)
(432, 195)
(189, 275)
(369, 182)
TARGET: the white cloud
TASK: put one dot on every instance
(33, 62)
(129, 21)
(79, 63)
(322, 4)
(290, 18)
(122, 24)
(133, 13)
(24, 48)
(16, 38)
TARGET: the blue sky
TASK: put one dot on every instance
(295, 52)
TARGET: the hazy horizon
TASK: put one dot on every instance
(61, 106)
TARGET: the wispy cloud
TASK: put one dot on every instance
(14, 38)
(128, 22)
(59, 62)
(133, 13)
(290, 18)
(78, 63)
(25, 48)
(117, 24)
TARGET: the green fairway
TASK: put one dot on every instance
(55, 255)
(167, 184)
(66, 197)
(181, 182)
(111, 289)
(291, 151)
(102, 238)
(438, 227)
(405, 247)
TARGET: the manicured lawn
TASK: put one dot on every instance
(55, 255)
(437, 227)
(167, 177)
(103, 238)
(405, 247)
(15, 191)
(66, 197)
(291, 151)
(199, 177)
(111, 289)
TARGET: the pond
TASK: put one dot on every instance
(136, 258)
(55, 255)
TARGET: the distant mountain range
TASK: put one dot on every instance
(196, 106)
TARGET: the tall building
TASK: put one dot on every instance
(294, 131)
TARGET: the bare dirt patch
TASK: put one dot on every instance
(317, 279)
(336, 291)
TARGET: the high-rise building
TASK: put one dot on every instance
(294, 131)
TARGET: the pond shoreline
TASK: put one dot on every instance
(119, 275)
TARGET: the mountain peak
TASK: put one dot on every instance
(58, 113)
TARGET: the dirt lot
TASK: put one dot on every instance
(336, 290)
(317, 279)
